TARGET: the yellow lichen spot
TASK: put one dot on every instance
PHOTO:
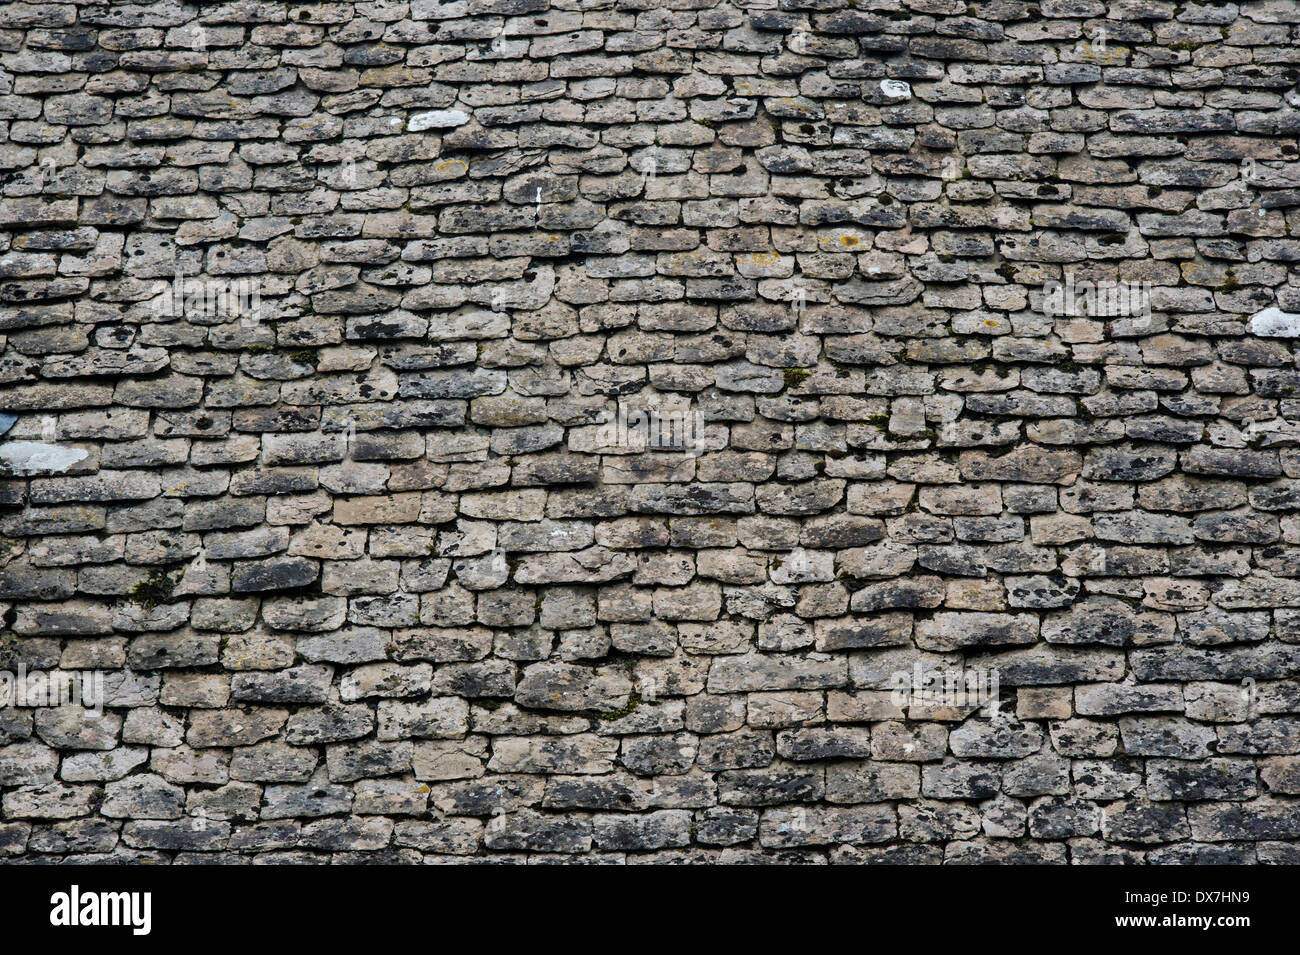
(452, 167)
(765, 258)
(992, 322)
(849, 241)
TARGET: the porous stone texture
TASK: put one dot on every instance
(380, 564)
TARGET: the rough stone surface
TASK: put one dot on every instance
(539, 430)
